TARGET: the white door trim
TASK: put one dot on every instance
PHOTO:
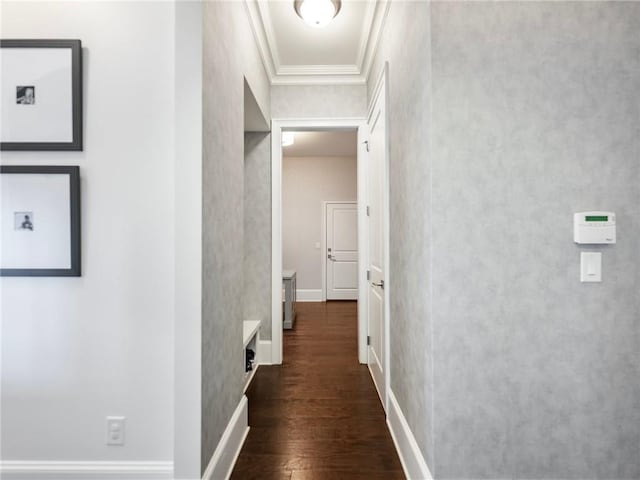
(323, 242)
(310, 124)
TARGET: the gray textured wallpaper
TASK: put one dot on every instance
(536, 114)
(257, 230)
(318, 101)
(405, 45)
(505, 119)
(229, 54)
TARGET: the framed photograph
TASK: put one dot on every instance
(40, 216)
(41, 95)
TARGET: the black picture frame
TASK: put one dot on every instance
(74, 214)
(76, 79)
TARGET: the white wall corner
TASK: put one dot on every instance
(37, 470)
(226, 453)
(264, 352)
(309, 295)
(413, 463)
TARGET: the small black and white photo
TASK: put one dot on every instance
(23, 221)
(26, 95)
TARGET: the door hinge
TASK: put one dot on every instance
(366, 142)
(368, 211)
(368, 274)
(368, 340)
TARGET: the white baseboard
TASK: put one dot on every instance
(264, 352)
(308, 295)
(36, 470)
(226, 453)
(413, 463)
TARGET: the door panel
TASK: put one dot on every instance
(345, 275)
(342, 251)
(345, 225)
(377, 165)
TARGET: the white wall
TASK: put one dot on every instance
(188, 235)
(306, 183)
(75, 350)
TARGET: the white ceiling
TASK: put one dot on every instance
(295, 53)
(323, 144)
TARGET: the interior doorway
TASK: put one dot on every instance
(281, 231)
(319, 222)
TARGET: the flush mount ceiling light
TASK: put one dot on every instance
(317, 13)
(287, 139)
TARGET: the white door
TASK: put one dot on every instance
(342, 250)
(377, 167)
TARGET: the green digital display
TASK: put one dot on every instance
(597, 218)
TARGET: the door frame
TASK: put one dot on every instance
(315, 124)
(323, 243)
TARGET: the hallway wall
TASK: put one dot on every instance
(75, 350)
(510, 117)
(257, 230)
(318, 101)
(405, 45)
(230, 53)
(535, 116)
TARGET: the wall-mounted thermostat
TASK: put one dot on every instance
(594, 227)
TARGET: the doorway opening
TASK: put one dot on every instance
(318, 205)
(319, 215)
(319, 223)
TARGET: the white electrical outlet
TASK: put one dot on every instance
(115, 430)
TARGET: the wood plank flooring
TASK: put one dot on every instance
(318, 416)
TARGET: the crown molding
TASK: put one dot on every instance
(377, 27)
(267, 27)
(351, 74)
(366, 32)
(319, 80)
(319, 70)
(260, 36)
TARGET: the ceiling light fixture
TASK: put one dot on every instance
(287, 139)
(317, 13)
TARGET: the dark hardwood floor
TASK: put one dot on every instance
(318, 416)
